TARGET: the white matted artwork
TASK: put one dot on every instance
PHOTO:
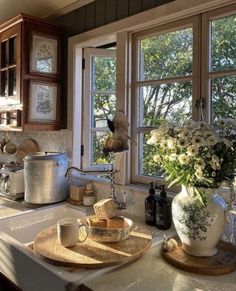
(43, 102)
(44, 55)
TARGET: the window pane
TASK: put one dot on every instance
(223, 43)
(104, 106)
(223, 94)
(98, 141)
(104, 73)
(146, 164)
(172, 102)
(166, 55)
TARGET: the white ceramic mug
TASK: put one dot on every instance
(70, 231)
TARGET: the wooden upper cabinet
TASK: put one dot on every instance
(30, 74)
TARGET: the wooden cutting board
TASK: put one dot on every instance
(223, 262)
(91, 254)
(27, 147)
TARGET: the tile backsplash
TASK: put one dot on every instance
(55, 141)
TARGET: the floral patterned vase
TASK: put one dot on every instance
(199, 227)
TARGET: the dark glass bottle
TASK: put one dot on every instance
(163, 211)
(150, 207)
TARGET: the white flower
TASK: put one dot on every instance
(184, 134)
(204, 126)
(198, 140)
(192, 150)
(207, 133)
(183, 159)
(182, 142)
(152, 140)
(215, 158)
(163, 143)
(199, 174)
(222, 123)
(212, 140)
(171, 142)
(215, 162)
(200, 132)
(157, 159)
(200, 165)
(161, 130)
(215, 166)
(156, 133)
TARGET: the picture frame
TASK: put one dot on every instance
(43, 102)
(44, 55)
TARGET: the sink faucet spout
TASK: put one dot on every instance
(110, 173)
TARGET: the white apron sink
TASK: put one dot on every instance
(19, 263)
(24, 227)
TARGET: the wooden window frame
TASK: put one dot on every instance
(193, 22)
(206, 74)
(87, 108)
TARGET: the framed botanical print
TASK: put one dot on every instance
(44, 55)
(43, 102)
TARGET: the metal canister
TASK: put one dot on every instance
(44, 177)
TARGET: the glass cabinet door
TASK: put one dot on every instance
(8, 68)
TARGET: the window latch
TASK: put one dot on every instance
(82, 150)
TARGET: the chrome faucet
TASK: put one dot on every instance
(111, 174)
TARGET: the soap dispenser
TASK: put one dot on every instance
(163, 211)
(150, 207)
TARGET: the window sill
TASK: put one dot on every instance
(85, 178)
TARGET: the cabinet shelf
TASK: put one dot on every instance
(8, 67)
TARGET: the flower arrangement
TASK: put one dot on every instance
(196, 154)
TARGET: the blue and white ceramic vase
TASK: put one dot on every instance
(199, 227)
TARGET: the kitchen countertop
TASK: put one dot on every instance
(149, 273)
(152, 273)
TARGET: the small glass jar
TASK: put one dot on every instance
(89, 198)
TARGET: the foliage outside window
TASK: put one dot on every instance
(222, 69)
(164, 87)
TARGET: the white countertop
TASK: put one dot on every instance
(152, 273)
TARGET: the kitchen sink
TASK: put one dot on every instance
(29, 271)
(24, 227)
(20, 264)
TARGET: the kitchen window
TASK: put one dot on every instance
(175, 71)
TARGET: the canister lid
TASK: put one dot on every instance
(45, 156)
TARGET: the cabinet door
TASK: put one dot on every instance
(41, 51)
(10, 62)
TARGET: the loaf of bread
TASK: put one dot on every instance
(105, 208)
(116, 222)
(95, 222)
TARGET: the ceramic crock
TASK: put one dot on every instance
(199, 227)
